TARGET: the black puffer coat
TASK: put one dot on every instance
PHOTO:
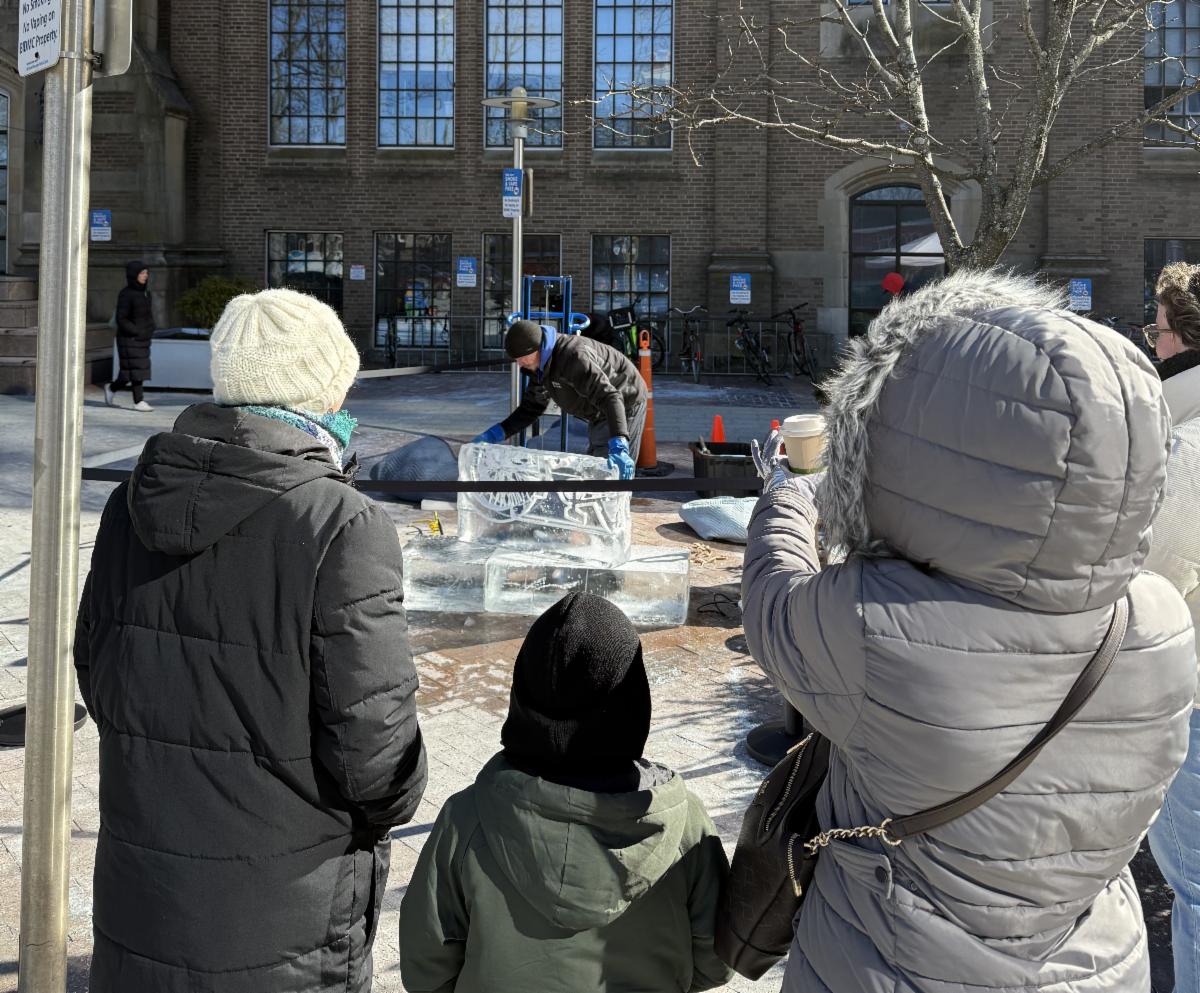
(135, 326)
(243, 648)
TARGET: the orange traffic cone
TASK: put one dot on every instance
(648, 453)
(718, 430)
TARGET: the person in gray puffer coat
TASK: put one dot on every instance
(994, 463)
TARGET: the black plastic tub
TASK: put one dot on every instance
(724, 460)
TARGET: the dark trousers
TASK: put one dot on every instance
(598, 434)
(135, 385)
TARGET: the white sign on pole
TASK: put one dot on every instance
(113, 36)
(39, 35)
(512, 193)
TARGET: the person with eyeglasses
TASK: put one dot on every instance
(1175, 554)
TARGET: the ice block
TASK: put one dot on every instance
(591, 527)
(651, 586)
(444, 574)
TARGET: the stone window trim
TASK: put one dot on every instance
(306, 70)
(831, 262)
(531, 25)
(642, 282)
(931, 31)
(307, 261)
(416, 74)
(625, 44)
(413, 288)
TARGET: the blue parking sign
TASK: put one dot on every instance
(1081, 294)
(512, 192)
(739, 287)
(467, 272)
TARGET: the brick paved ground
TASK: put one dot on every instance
(707, 692)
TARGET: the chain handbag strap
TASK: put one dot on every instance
(893, 831)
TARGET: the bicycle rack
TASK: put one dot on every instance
(569, 322)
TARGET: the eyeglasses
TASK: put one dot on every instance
(1152, 332)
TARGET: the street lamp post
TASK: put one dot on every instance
(518, 104)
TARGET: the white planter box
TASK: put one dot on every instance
(177, 364)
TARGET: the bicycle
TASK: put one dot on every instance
(625, 326)
(691, 357)
(1128, 329)
(802, 359)
(747, 341)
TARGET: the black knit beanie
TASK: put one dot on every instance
(523, 338)
(580, 700)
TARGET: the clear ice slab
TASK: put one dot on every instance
(444, 574)
(592, 527)
(651, 587)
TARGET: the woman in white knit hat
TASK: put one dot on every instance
(243, 650)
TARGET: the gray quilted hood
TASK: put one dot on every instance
(984, 431)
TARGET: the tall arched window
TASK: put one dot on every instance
(890, 231)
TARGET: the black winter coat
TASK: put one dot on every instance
(135, 326)
(587, 379)
(242, 647)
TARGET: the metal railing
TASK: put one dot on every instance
(414, 341)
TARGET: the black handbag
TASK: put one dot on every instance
(777, 849)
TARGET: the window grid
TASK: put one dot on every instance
(542, 256)
(1160, 252)
(308, 72)
(890, 231)
(632, 271)
(413, 276)
(1172, 61)
(416, 73)
(308, 263)
(633, 48)
(524, 48)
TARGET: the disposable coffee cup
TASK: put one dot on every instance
(804, 441)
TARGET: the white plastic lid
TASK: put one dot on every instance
(803, 426)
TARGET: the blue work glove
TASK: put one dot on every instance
(619, 457)
(492, 436)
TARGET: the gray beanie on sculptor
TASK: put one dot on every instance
(580, 699)
(523, 338)
(280, 348)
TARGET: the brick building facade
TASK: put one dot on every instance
(356, 162)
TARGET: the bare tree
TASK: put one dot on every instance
(877, 93)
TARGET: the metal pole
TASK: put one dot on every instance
(58, 440)
(520, 131)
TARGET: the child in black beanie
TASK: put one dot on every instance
(572, 863)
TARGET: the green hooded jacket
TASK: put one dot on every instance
(526, 885)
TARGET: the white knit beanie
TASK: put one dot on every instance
(280, 348)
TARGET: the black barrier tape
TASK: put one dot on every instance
(678, 485)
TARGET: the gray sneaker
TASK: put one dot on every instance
(142, 406)
(108, 395)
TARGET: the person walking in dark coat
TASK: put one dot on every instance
(135, 331)
(587, 379)
(243, 650)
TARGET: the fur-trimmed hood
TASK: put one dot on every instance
(984, 431)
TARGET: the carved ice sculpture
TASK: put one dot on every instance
(519, 553)
(651, 587)
(587, 526)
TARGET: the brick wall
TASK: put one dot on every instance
(752, 193)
